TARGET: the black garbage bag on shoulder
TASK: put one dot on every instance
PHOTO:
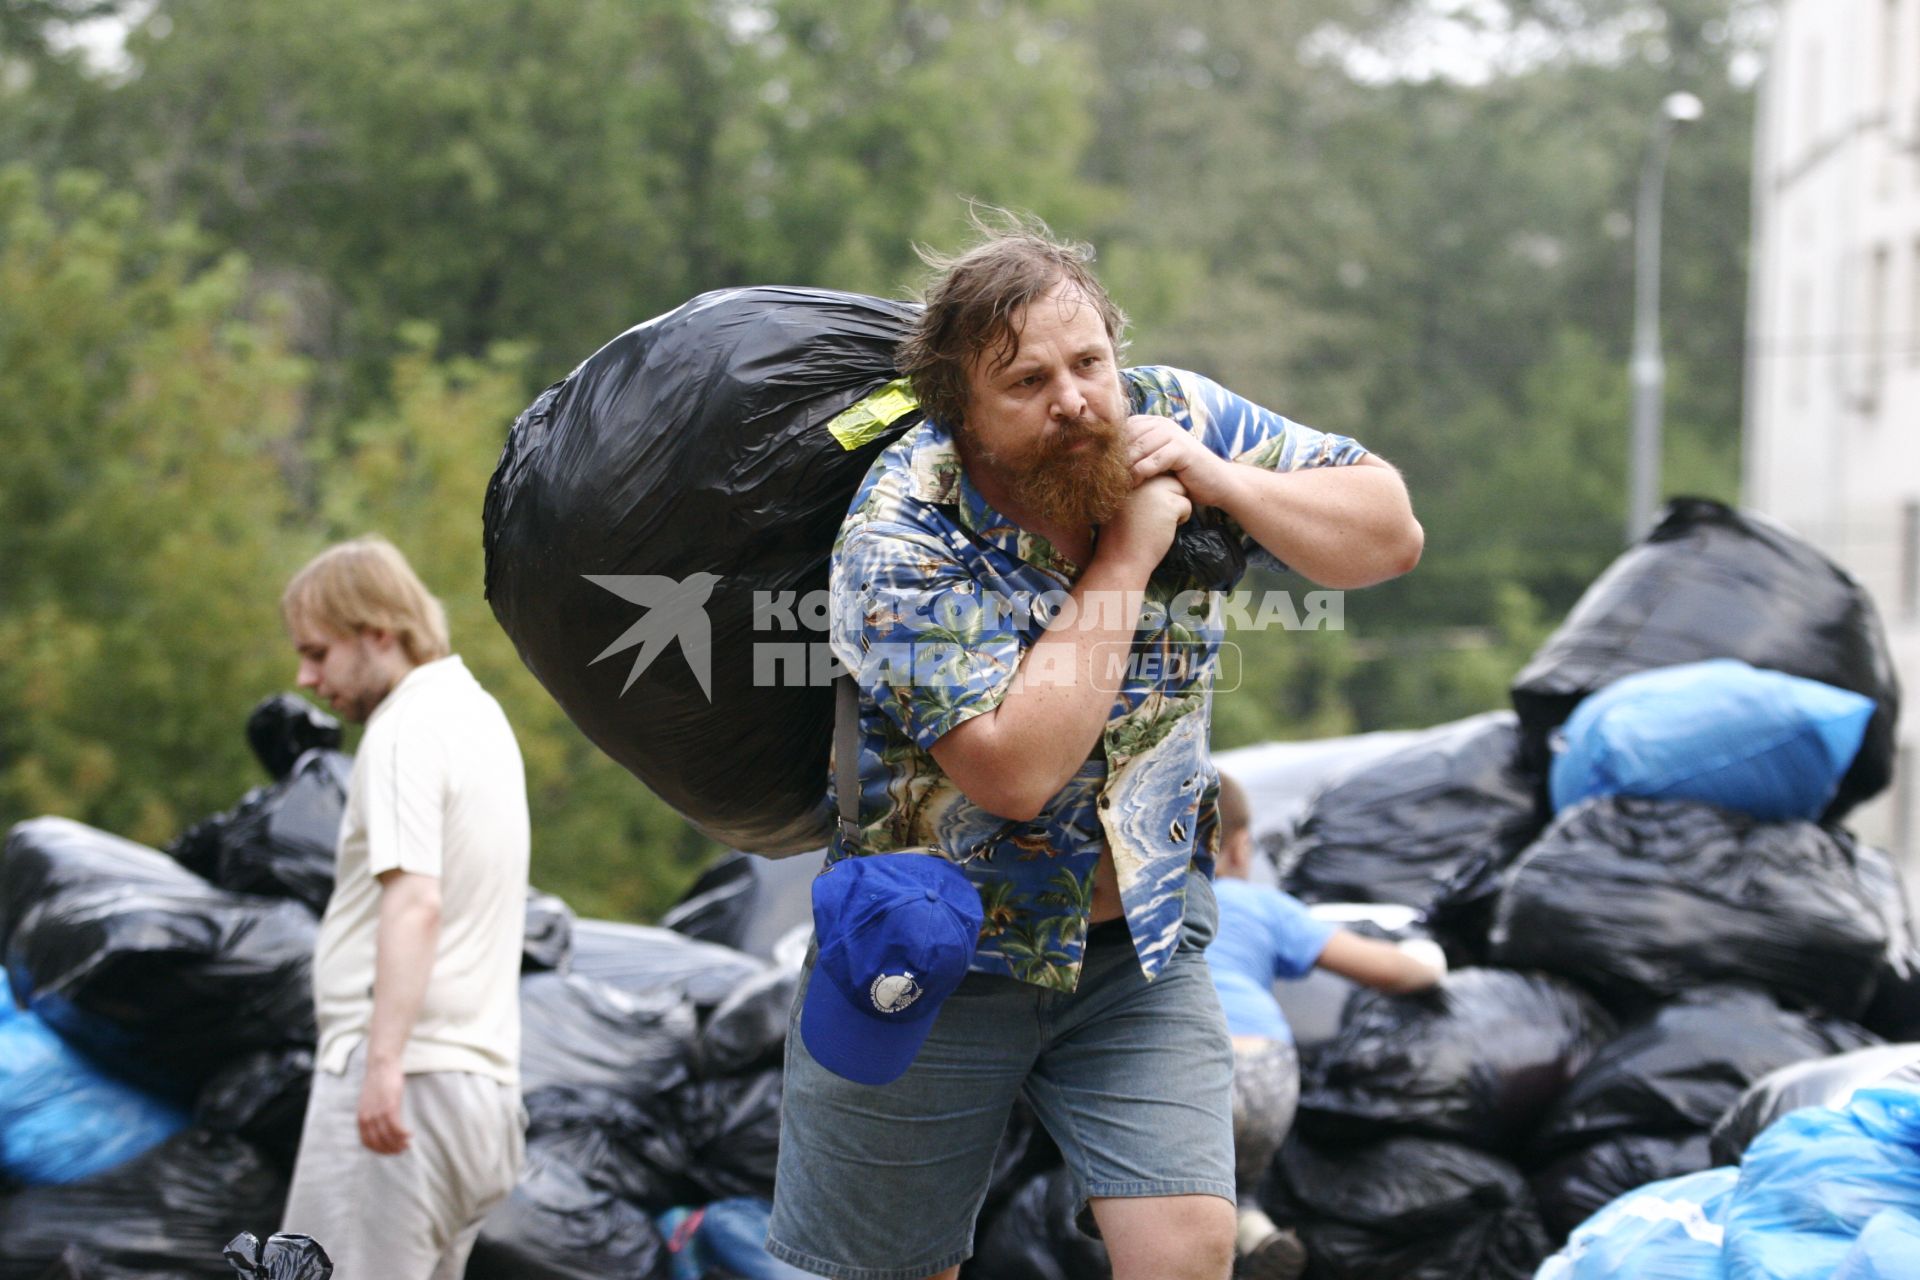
(1711, 581)
(1643, 900)
(642, 958)
(282, 1256)
(556, 1225)
(1478, 1059)
(747, 1030)
(171, 1210)
(1407, 1208)
(261, 1097)
(1401, 827)
(581, 1033)
(142, 964)
(684, 484)
(636, 1150)
(549, 935)
(1816, 1082)
(1578, 1185)
(279, 840)
(693, 453)
(1034, 1237)
(284, 727)
(1677, 1071)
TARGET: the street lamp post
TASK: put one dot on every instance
(1647, 372)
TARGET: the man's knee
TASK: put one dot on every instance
(1168, 1237)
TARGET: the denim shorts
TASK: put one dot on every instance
(1133, 1080)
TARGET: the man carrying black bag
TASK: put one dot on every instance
(1032, 729)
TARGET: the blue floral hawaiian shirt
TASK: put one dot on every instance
(936, 598)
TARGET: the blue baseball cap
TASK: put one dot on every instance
(895, 934)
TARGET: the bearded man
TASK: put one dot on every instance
(1032, 712)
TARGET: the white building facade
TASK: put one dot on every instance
(1832, 431)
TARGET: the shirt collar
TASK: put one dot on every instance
(936, 475)
(421, 677)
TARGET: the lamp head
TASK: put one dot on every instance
(1681, 108)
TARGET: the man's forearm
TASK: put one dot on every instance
(1015, 758)
(406, 942)
(1342, 527)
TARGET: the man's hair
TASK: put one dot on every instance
(974, 298)
(367, 585)
(1235, 814)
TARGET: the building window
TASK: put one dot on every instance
(1798, 348)
(1889, 64)
(1913, 309)
(1910, 560)
(1874, 328)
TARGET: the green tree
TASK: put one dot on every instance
(147, 410)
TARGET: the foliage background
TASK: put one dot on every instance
(279, 274)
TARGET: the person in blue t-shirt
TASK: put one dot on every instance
(1265, 935)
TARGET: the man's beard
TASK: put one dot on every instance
(1072, 486)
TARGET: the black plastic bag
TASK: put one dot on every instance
(262, 1097)
(284, 727)
(1817, 1082)
(1579, 1184)
(1478, 1059)
(748, 1030)
(1894, 1011)
(1034, 1237)
(585, 1034)
(646, 958)
(1407, 1209)
(732, 1130)
(172, 1209)
(1400, 828)
(635, 1150)
(1678, 1071)
(556, 1225)
(142, 964)
(279, 840)
(688, 465)
(747, 902)
(1714, 582)
(693, 444)
(549, 936)
(1644, 900)
(283, 1256)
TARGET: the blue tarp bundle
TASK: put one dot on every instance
(1763, 743)
(61, 1119)
(1824, 1194)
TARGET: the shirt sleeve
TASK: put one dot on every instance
(1236, 428)
(925, 642)
(407, 780)
(1297, 938)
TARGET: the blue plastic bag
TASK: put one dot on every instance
(1758, 742)
(1669, 1230)
(1889, 1249)
(60, 1118)
(1813, 1183)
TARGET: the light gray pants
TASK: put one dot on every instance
(413, 1216)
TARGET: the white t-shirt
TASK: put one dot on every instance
(438, 789)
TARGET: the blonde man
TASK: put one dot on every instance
(414, 1130)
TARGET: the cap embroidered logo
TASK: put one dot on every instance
(893, 992)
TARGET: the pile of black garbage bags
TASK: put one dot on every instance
(157, 1051)
(1640, 983)
(1626, 965)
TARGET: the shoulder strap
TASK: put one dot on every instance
(846, 754)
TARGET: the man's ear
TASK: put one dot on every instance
(381, 640)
